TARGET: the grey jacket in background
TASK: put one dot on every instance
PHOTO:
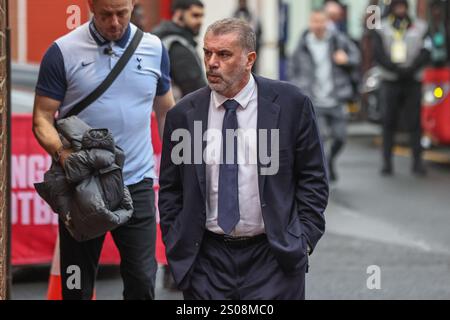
(89, 194)
(301, 69)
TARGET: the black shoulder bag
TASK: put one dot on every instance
(118, 68)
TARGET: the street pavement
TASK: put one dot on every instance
(399, 224)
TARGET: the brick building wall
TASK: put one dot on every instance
(3, 151)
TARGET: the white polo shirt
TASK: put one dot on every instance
(77, 63)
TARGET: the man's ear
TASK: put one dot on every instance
(251, 59)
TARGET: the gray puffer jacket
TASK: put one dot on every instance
(89, 194)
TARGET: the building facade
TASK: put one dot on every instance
(4, 159)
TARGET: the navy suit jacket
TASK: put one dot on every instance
(292, 202)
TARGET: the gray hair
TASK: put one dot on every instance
(247, 36)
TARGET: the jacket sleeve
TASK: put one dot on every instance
(353, 52)
(382, 58)
(170, 201)
(380, 55)
(185, 70)
(424, 57)
(296, 70)
(312, 183)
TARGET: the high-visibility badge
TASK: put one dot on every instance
(399, 52)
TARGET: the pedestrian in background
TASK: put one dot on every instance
(138, 17)
(321, 66)
(402, 49)
(178, 36)
(438, 33)
(336, 15)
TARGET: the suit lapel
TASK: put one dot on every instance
(268, 118)
(199, 113)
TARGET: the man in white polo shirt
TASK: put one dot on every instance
(71, 69)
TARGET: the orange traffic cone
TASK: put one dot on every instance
(54, 284)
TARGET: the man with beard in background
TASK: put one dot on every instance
(178, 36)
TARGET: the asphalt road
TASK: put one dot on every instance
(399, 224)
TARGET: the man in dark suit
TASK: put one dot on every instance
(236, 225)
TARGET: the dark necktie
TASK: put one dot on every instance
(228, 203)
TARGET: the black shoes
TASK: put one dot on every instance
(419, 170)
(387, 170)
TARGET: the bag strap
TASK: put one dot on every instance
(112, 76)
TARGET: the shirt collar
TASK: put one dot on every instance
(101, 41)
(243, 97)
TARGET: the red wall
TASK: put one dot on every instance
(47, 21)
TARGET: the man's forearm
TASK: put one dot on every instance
(46, 134)
(48, 138)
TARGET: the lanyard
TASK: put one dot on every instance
(400, 32)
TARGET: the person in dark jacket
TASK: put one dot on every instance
(321, 66)
(241, 227)
(401, 49)
(178, 36)
(439, 53)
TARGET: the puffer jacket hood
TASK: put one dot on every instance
(88, 194)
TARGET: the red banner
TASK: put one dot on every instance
(34, 225)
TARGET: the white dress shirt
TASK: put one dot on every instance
(251, 221)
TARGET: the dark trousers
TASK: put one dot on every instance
(333, 127)
(135, 242)
(402, 99)
(227, 272)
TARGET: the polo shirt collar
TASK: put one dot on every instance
(101, 41)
